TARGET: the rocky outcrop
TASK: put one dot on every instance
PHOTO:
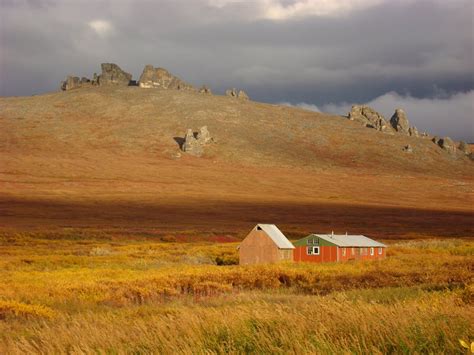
(160, 78)
(191, 144)
(369, 118)
(400, 124)
(204, 136)
(447, 144)
(112, 74)
(194, 143)
(408, 148)
(71, 82)
(241, 94)
(413, 132)
(399, 121)
(231, 92)
(464, 148)
(205, 90)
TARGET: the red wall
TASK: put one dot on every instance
(333, 254)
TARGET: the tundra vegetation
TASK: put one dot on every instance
(66, 292)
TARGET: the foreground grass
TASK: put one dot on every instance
(88, 296)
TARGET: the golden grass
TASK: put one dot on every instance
(137, 296)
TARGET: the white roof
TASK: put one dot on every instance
(344, 240)
(277, 236)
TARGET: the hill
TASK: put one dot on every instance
(109, 158)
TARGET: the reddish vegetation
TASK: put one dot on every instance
(103, 159)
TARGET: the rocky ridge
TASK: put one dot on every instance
(160, 78)
(400, 124)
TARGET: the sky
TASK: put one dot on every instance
(323, 55)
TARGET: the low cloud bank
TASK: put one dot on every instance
(443, 115)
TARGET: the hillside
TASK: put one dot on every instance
(109, 157)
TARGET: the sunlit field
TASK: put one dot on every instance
(62, 294)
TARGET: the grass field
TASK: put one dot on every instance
(70, 293)
(113, 240)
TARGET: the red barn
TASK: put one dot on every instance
(321, 248)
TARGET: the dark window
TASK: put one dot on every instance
(259, 229)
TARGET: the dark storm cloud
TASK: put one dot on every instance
(315, 52)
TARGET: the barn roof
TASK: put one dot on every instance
(276, 235)
(343, 240)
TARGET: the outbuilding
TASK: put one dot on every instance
(265, 244)
(320, 248)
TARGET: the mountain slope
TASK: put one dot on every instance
(110, 145)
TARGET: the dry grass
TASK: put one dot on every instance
(124, 296)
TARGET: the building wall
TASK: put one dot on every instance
(327, 254)
(258, 248)
(334, 254)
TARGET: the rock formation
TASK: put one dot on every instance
(464, 148)
(205, 90)
(191, 144)
(413, 132)
(447, 144)
(231, 92)
(195, 146)
(161, 78)
(369, 117)
(243, 95)
(237, 94)
(204, 136)
(71, 82)
(408, 148)
(399, 121)
(112, 74)
(400, 124)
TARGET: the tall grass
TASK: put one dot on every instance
(136, 296)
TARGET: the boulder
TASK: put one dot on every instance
(231, 92)
(203, 136)
(243, 95)
(205, 90)
(408, 148)
(399, 121)
(112, 74)
(160, 78)
(95, 79)
(85, 80)
(369, 118)
(71, 82)
(447, 144)
(191, 144)
(464, 148)
(413, 132)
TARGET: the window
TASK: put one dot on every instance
(343, 251)
(309, 241)
(380, 251)
(312, 250)
(372, 251)
(259, 228)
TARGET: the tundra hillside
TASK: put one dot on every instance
(109, 158)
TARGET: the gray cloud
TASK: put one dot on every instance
(297, 51)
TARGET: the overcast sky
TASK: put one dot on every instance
(318, 54)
